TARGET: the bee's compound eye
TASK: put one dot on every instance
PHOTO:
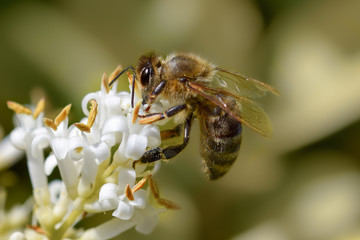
(145, 76)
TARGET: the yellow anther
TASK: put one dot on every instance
(140, 184)
(168, 204)
(39, 108)
(115, 73)
(18, 108)
(93, 113)
(130, 78)
(82, 127)
(62, 115)
(50, 123)
(128, 193)
(105, 82)
(154, 188)
(136, 111)
(91, 119)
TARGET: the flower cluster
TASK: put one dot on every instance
(95, 158)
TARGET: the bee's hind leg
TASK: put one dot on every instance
(158, 153)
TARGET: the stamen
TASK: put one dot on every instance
(128, 193)
(36, 229)
(162, 201)
(154, 188)
(140, 184)
(130, 78)
(82, 127)
(39, 108)
(136, 111)
(105, 83)
(168, 204)
(50, 123)
(18, 108)
(92, 114)
(62, 115)
(115, 73)
(91, 119)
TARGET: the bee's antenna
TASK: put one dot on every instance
(133, 82)
(133, 90)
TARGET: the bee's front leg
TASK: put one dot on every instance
(158, 153)
(154, 117)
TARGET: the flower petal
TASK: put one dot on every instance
(141, 198)
(147, 222)
(107, 230)
(125, 101)
(9, 154)
(153, 134)
(18, 138)
(87, 99)
(136, 146)
(112, 103)
(39, 143)
(108, 196)
(59, 147)
(50, 164)
(126, 176)
(109, 139)
(101, 151)
(75, 147)
(115, 124)
(108, 191)
(124, 211)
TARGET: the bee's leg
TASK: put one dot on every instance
(154, 117)
(158, 153)
(158, 89)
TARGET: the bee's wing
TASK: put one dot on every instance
(245, 110)
(240, 84)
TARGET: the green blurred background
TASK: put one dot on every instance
(302, 184)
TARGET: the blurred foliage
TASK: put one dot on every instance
(304, 183)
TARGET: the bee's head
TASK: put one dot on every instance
(148, 74)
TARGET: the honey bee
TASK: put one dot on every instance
(190, 86)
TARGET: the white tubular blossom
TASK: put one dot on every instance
(108, 229)
(22, 137)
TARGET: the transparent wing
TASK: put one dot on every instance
(241, 108)
(240, 84)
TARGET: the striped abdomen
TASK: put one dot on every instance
(220, 140)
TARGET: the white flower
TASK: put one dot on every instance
(136, 139)
(125, 208)
(29, 126)
(138, 209)
(59, 141)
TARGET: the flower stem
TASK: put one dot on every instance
(70, 221)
